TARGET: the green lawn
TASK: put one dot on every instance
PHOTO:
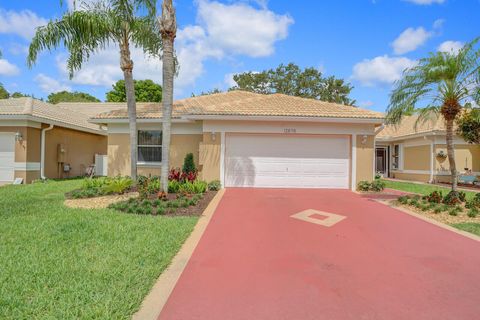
(469, 227)
(421, 188)
(61, 263)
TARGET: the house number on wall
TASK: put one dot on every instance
(289, 130)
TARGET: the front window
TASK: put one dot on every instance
(396, 157)
(149, 146)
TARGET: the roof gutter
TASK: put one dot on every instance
(42, 151)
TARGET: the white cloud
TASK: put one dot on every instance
(381, 69)
(450, 46)
(49, 85)
(223, 31)
(228, 80)
(7, 68)
(410, 39)
(22, 23)
(78, 4)
(242, 29)
(425, 2)
(366, 104)
(18, 49)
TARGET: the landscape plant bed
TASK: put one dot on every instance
(437, 207)
(173, 205)
(98, 202)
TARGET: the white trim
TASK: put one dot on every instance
(408, 144)
(400, 156)
(42, 151)
(27, 166)
(284, 118)
(177, 128)
(354, 162)
(412, 171)
(432, 160)
(222, 158)
(19, 123)
(149, 164)
(411, 136)
(375, 158)
(139, 120)
(287, 127)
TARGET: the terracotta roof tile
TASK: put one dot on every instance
(46, 111)
(242, 103)
(409, 126)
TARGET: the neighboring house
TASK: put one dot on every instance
(252, 140)
(38, 140)
(417, 151)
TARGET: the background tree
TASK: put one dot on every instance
(96, 26)
(17, 94)
(206, 93)
(292, 80)
(168, 30)
(4, 93)
(145, 91)
(469, 126)
(442, 84)
(65, 96)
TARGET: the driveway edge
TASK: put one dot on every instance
(154, 302)
(432, 221)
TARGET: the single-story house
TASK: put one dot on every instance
(40, 140)
(245, 139)
(417, 151)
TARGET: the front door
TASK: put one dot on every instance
(381, 161)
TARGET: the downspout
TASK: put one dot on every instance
(42, 152)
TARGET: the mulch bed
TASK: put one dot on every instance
(98, 202)
(193, 210)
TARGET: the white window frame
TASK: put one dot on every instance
(148, 146)
(396, 157)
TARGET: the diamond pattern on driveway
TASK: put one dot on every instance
(322, 218)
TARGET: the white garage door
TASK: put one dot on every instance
(7, 157)
(277, 161)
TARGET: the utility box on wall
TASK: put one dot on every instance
(61, 153)
(101, 165)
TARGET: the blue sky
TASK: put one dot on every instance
(366, 42)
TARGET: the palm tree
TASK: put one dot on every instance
(444, 83)
(168, 30)
(95, 27)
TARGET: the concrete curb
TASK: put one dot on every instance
(154, 302)
(432, 221)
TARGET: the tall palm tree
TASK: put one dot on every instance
(444, 83)
(168, 30)
(96, 26)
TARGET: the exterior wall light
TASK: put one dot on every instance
(364, 139)
(18, 136)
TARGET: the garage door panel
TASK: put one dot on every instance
(7, 157)
(291, 162)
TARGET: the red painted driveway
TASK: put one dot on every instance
(256, 262)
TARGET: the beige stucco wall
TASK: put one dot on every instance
(411, 176)
(210, 156)
(119, 153)
(80, 149)
(466, 156)
(416, 157)
(365, 154)
(27, 176)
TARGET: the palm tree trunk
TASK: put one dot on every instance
(451, 154)
(126, 64)
(168, 29)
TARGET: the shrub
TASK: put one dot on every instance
(452, 198)
(438, 209)
(174, 175)
(94, 183)
(462, 196)
(434, 197)
(472, 213)
(189, 164)
(403, 199)
(424, 206)
(364, 186)
(117, 185)
(377, 185)
(214, 185)
(173, 186)
(453, 212)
